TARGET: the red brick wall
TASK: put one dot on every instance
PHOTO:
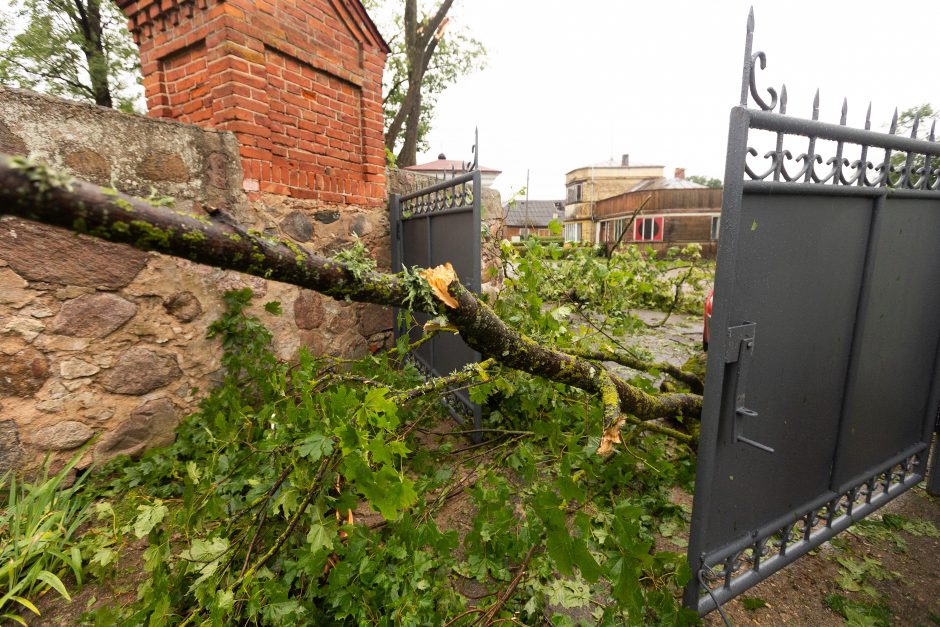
(298, 81)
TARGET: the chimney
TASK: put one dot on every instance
(299, 82)
(625, 161)
(680, 174)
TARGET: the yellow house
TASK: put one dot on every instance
(590, 184)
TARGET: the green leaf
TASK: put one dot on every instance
(558, 544)
(205, 550)
(149, 517)
(27, 604)
(389, 493)
(585, 562)
(569, 593)
(55, 583)
(319, 537)
(193, 471)
(315, 446)
(753, 603)
(104, 556)
(273, 307)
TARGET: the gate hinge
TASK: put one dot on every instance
(739, 349)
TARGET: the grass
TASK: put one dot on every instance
(38, 525)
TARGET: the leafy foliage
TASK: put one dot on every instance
(427, 56)
(579, 296)
(886, 529)
(925, 116)
(859, 614)
(75, 48)
(707, 181)
(308, 493)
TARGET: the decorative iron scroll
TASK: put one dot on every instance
(811, 528)
(894, 165)
(456, 193)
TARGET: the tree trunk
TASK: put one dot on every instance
(89, 22)
(421, 39)
(98, 60)
(409, 148)
(33, 192)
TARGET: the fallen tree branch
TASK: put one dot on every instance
(631, 361)
(32, 191)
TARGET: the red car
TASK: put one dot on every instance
(708, 319)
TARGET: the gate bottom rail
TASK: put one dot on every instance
(747, 561)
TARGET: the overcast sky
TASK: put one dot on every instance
(571, 84)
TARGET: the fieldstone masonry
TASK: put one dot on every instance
(98, 339)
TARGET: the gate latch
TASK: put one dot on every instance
(740, 349)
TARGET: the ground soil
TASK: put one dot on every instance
(796, 595)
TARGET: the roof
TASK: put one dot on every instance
(540, 212)
(357, 7)
(447, 165)
(613, 165)
(664, 183)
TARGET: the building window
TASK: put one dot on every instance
(716, 225)
(648, 229)
(574, 192)
(573, 232)
(619, 227)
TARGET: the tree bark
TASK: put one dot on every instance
(33, 192)
(89, 22)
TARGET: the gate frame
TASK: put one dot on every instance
(858, 497)
(440, 199)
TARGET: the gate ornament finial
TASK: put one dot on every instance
(750, 67)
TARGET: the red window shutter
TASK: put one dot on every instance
(658, 227)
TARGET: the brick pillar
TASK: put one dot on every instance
(299, 82)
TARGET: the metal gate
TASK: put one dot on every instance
(429, 227)
(823, 388)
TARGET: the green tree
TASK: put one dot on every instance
(427, 57)
(925, 115)
(73, 48)
(709, 182)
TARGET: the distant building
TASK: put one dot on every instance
(590, 184)
(443, 168)
(675, 212)
(531, 217)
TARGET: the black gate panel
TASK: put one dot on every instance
(823, 385)
(800, 286)
(891, 374)
(432, 226)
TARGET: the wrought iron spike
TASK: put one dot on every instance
(916, 125)
(816, 105)
(783, 98)
(845, 111)
(748, 60)
(476, 148)
(868, 117)
(894, 122)
(933, 127)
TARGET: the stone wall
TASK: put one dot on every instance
(100, 339)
